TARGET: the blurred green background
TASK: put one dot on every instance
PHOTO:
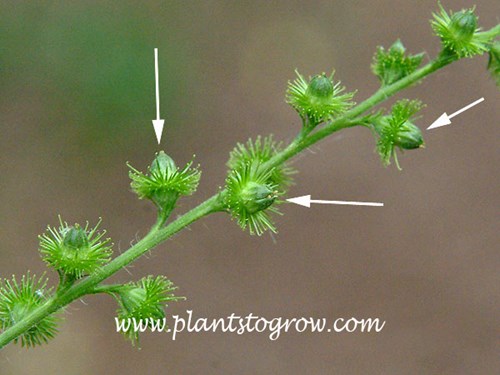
(76, 103)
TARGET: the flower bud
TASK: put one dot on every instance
(397, 47)
(164, 197)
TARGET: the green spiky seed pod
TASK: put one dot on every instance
(318, 100)
(460, 34)
(397, 130)
(20, 299)
(250, 195)
(165, 182)
(392, 65)
(74, 251)
(144, 299)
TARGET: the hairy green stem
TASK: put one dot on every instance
(159, 233)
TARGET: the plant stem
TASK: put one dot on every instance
(158, 233)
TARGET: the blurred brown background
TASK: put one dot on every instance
(77, 99)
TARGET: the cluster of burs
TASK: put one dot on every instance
(257, 179)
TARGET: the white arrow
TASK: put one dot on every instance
(444, 119)
(158, 123)
(306, 201)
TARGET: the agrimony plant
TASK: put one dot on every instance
(258, 176)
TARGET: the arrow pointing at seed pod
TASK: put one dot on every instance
(444, 119)
(158, 123)
(305, 200)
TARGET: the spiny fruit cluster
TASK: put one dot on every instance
(252, 188)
